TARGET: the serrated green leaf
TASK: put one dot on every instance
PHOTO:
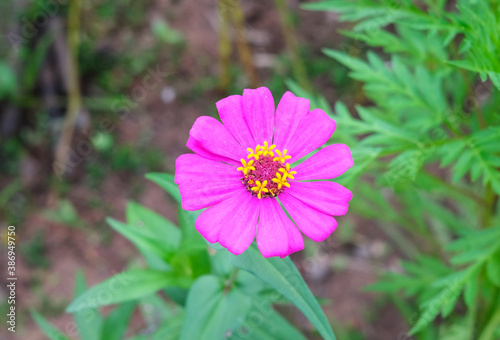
(446, 296)
(471, 255)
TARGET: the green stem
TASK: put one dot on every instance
(472, 319)
(489, 199)
(492, 325)
(480, 118)
(231, 280)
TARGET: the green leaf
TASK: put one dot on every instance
(263, 323)
(170, 329)
(190, 236)
(415, 96)
(89, 321)
(363, 157)
(468, 65)
(193, 249)
(8, 81)
(166, 181)
(470, 293)
(116, 323)
(164, 32)
(142, 239)
(493, 269)
(282, 275)
(155, 224)
(211, 312)
(126, 286)
(495, 79)
(475, 239)
(155, 310)
(317, 100)
(471, 255)
(434, 306)
(50, 331)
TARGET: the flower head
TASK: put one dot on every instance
(248, 171)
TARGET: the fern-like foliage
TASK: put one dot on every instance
(428, 128)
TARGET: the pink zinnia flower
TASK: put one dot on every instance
(243, 172)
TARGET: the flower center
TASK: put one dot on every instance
(266, 172)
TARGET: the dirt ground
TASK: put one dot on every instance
(168, 124)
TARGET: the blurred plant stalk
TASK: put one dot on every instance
(292, 45)
(74, 96)
(232, 15)
(224, 46)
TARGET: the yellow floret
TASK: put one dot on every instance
(282, 157)
(259, 188)
(246, 166)
(281, 181)
(286, 172)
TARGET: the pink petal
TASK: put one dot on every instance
(214, 137)
(276, 234)
(258, 109)
(313, 131)
(232, 222)
(203, 182)
(198, 148)
(327, 163)
(290, 111)
(328, 197)
(199, 195)
(194, 168)
(231, 113)
(313, 223)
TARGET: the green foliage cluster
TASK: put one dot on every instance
(212, 294)
(427, 148)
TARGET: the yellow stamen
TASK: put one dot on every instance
(281, 181)
(286, 172)
(255, 154)
(282, 157)
(246, 166)
(259, 188)
(267, 150)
